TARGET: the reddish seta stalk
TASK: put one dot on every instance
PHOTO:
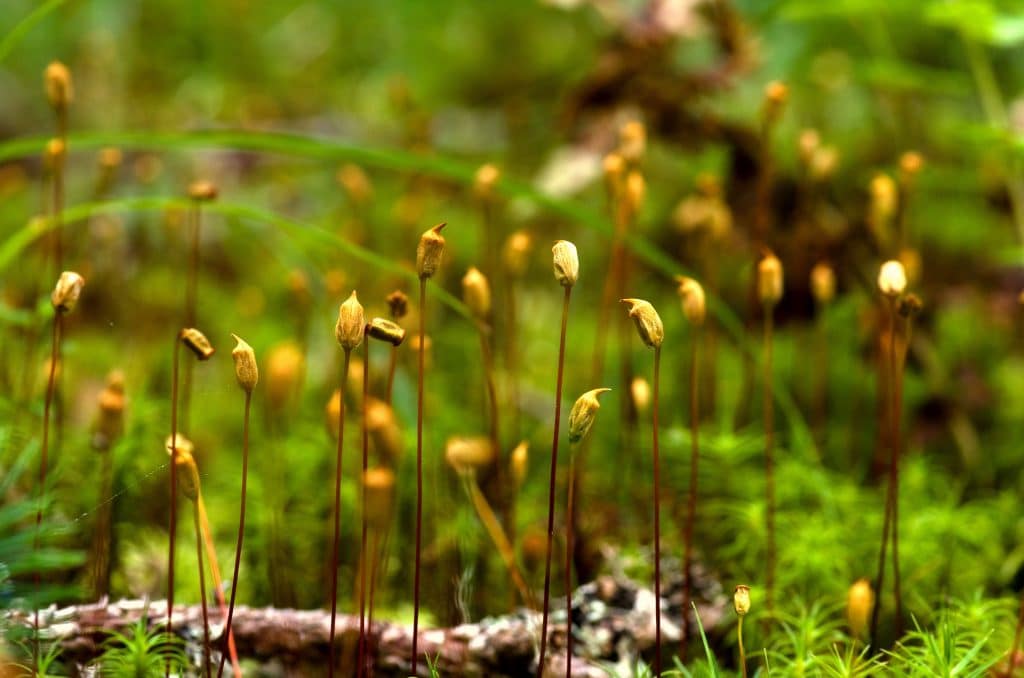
(43, 463)
(691, 501)
(657, 513)
(419, 477)
(769, 458)
(551, 488)
(362, 540)
(571, 510)
(337, 512)
(241, 536)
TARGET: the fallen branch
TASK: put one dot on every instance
(613, 624)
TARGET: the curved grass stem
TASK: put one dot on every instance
(498, 536)
(202, 591)
(173, 520)
(551, 489)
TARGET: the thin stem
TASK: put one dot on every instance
(769, 457)
(743, 654)
(551, 489)
(202, 592)
(43, 463)
(419, 477)
(191, 296)
(192, 282)
(691, 500)
(362, 510)
(889, 517)
(894, 471)
(241, 529)
(58, 190)
(343, 378)
(173, 521)
(570, 510)
(102, 547)
(880, 578)
(657, 513)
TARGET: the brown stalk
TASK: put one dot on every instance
(743, 653)
(571, 509)
(343, 378)
(362, 541)
(894, 472)
(43, 463)
(891, 496)
(238, 543)
(691, 500)
(101, 562)
(551, 488)
(191, 294)
(769, 456)
(419, 474)
(657, 512)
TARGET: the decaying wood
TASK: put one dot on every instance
(612, 619)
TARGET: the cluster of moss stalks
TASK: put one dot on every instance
(474, 457)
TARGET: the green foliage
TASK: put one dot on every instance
(142, 652)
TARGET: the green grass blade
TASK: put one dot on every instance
(305, 234)
(15, 35)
